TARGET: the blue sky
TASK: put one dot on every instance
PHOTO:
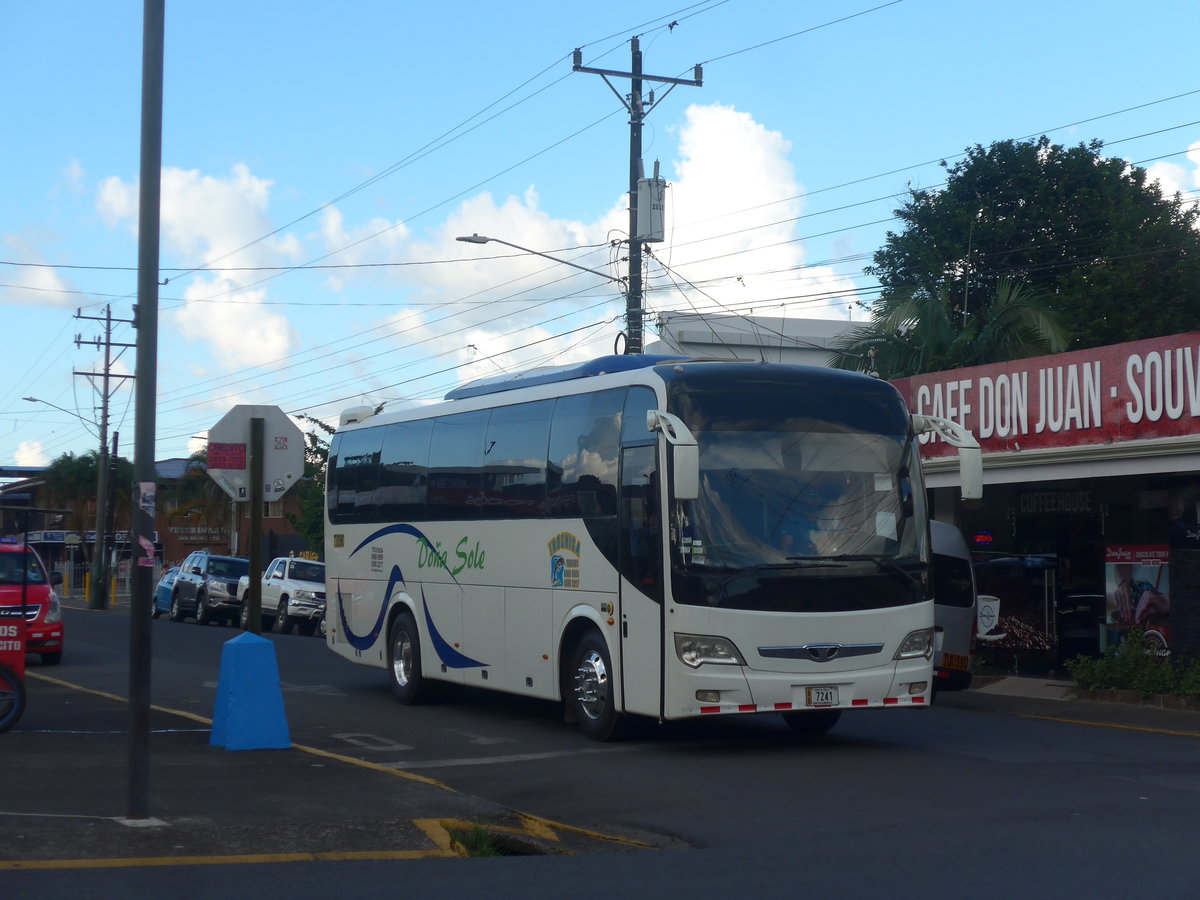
(319, 162)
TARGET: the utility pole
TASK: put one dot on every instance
(98, 598)
(638, 110)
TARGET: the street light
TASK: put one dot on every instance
(61, 409)
(483, 239)
(98, 598)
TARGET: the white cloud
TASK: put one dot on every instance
(32, 284)
(217, 221)
(30, 453)
(733, 174)
(510, 309)
(1175, 178)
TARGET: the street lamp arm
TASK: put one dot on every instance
(61, 409)
(482, 239)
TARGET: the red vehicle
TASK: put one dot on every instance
(27, 591)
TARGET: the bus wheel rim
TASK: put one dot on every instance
(591, 685)
(402, 659)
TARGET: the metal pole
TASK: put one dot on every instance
(633, 300)
(110, 511)
(98, 599)
(142, 569)
(257, 452)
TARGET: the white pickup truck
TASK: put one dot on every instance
(293, 595)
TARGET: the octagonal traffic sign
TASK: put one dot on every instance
(229, 452)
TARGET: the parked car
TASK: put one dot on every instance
(27, 590)
(162, 592)
(206, 587)
(293, 596)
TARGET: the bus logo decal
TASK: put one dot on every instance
(564, 568)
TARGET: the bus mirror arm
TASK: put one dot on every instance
(685, 453)
(970, 457)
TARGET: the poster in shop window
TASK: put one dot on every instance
(1138, 592)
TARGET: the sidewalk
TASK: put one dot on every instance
(1058, 699)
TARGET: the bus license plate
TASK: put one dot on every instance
(825, 695)
(955, 661)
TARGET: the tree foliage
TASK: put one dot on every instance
(922, 333)
(1089, 235)
(310, 521)
(71, 484)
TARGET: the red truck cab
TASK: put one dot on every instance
(27, 592)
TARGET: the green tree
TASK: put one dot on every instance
(71, 485)
(310, 521)
(1089, 235)
(929, 333)
(197, 495)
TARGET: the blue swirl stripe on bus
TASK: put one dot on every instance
(445, 651)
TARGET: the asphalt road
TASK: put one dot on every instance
(982, 796)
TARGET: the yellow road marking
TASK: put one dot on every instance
(1191, 734)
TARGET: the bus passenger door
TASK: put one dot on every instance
(641, 589)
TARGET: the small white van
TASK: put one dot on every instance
(954, 608)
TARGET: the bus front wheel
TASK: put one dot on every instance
(590, 687)
(404, 661)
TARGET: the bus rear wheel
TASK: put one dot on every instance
(404, 661)
(814, 721)
(590, 689)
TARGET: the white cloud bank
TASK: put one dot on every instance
(217, 221)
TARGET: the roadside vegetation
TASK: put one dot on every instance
(1128, 666)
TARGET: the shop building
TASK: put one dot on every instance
(1089, 520)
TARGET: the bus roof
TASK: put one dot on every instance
(604, 365)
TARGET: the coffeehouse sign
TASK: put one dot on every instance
(1138, 390)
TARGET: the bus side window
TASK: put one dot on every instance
(633, 421)
(456, 466)
(404, 471)
(640, 531)
(514, 461)
(583, 455)
(353, 488)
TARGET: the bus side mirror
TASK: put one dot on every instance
(685, 454)
(970, 457)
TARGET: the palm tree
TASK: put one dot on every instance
(71, 484)
(923, 333)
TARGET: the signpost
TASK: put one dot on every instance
(255, 453)
(229, 452)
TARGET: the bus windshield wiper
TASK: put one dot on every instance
(885, 564)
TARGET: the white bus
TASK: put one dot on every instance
(640, 535)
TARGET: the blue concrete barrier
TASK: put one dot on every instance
(249, 712)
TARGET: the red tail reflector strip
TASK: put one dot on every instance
(747, 707)
(709, 709)
(860, 702)
(783, 706)
(890, 701)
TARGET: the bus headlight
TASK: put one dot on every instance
(916, 644)
(695, 650)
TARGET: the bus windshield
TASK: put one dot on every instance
(795, 480)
